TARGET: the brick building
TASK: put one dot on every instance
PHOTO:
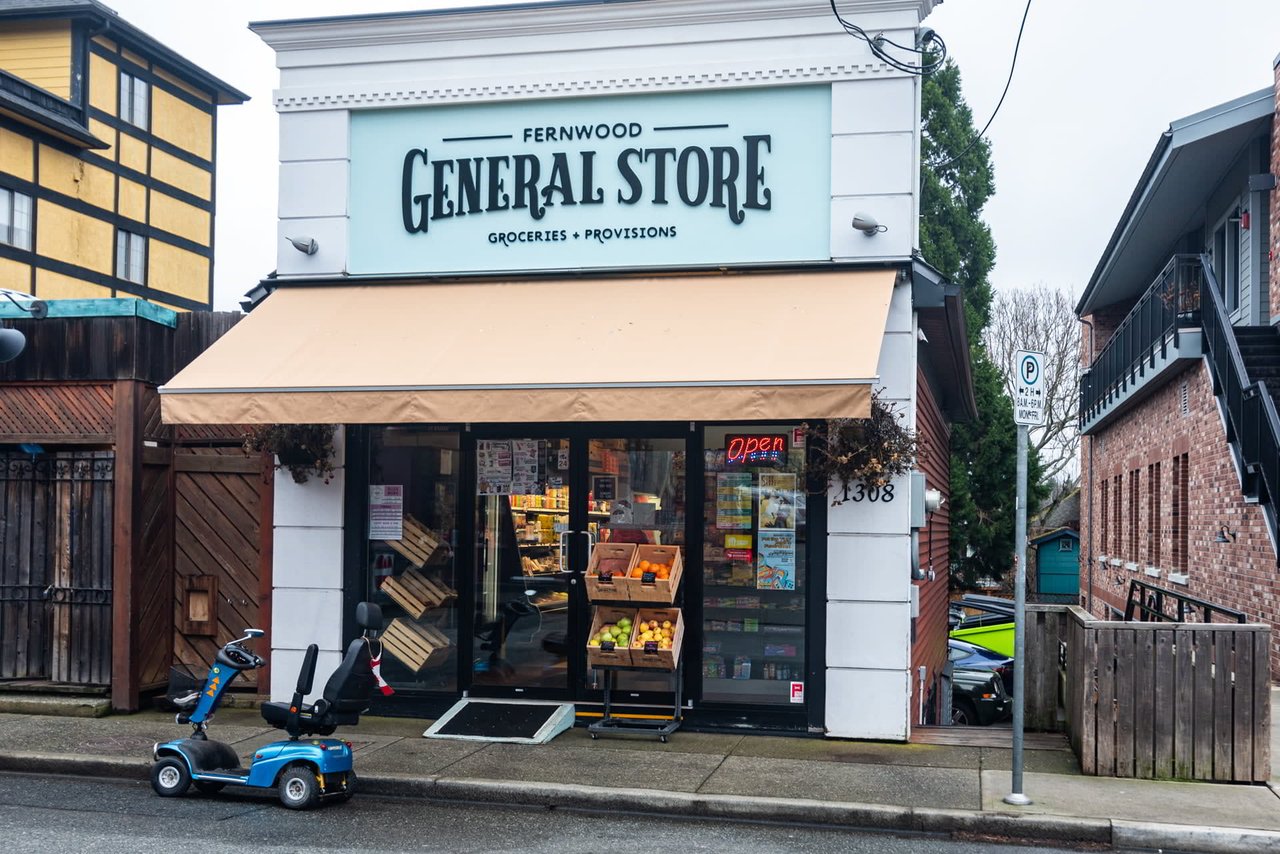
(1180, 472)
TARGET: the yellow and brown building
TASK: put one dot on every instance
(107, 150)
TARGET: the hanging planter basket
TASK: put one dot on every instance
(870, 451)
(304, 449)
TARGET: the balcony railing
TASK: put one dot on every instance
(1144, 338)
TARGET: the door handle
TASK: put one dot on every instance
(564, 550)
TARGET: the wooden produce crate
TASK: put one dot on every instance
(606, 577)
(418, 544)
(619, 656)
(416, 645)
(416, 593)
(641, 588)
(651, 657)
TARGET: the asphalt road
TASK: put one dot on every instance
(48, 813)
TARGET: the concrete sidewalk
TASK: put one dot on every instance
(916, 787)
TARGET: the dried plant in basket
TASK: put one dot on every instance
(303, 449)
(871, 451)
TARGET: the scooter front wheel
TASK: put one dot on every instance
(170, 777)
(298, 788)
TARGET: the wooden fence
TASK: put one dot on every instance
(1152, 700)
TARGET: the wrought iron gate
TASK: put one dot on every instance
(55, 566)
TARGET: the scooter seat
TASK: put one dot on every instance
(345, 695)
(311, 720)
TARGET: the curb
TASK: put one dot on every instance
(881, 817)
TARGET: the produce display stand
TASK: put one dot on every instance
(645, 600)
(609, 725)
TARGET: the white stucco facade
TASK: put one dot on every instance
(332, 70)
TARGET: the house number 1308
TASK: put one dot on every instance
(860, 492)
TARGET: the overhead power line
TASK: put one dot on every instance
(1012, 66)
(930, 50)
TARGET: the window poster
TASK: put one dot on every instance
(737, 547)
(776, 568)
(778, 501)
(733, 501)
(386, 512)
(493, 467)
(524, 466)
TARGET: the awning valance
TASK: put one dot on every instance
(678, 348)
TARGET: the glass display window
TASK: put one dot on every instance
(410, 554)
(755, 539)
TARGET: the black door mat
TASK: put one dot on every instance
(517, 721)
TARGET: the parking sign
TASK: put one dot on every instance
(1028, 388)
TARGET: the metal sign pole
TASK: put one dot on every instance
(1029, 403)
(1016, 797)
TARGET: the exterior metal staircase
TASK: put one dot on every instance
(1244, 364)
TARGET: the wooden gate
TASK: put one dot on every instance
(223, 500)
(55, 566)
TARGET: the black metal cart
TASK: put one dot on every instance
(610, 725)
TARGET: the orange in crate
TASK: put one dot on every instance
(655, 575)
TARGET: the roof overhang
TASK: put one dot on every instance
(1189, 162)
(113, 26)
(940, 311)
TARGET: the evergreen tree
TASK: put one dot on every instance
(956, 181)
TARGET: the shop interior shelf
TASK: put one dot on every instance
(719, 690)
(762, 613)
(554, 511)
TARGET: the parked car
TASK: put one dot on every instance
(978, 698)
(983, 620)
(970, 656)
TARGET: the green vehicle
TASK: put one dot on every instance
(985, 621)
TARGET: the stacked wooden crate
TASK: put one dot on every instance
(417, 544)
(419, 646)
(416, 593)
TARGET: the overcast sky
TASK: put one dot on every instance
(1097, 81)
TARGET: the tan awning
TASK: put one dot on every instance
(679, 348)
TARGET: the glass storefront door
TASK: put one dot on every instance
(529, 543)
(541, 504)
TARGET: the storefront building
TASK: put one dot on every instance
(578, 274)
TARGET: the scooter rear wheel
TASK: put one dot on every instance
(170, 777)
(298, 788)
(351, 788)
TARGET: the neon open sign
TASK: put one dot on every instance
(756, 449)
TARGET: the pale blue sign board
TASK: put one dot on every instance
(688, 179)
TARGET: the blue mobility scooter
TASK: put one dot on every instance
(303, 772)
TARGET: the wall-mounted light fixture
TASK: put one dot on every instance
(12, 343)
(305, 245)
(37, 308)
(1224, 535)
(868, 224)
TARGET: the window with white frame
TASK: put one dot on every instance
(131, 256)
(135, 96)
(15, 219)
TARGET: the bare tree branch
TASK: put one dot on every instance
(1041, 318)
